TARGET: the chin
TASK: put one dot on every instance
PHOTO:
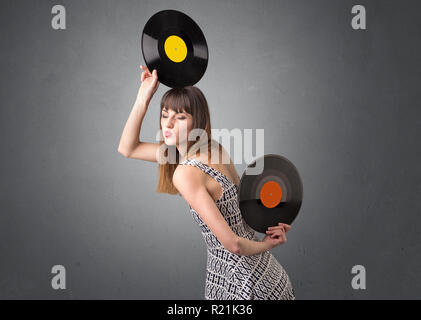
(170, 142)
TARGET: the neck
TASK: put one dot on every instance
(182, 151)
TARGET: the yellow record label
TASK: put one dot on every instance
(175, 48)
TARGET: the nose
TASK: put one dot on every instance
(169, 123)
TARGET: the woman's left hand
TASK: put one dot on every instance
(278, 230)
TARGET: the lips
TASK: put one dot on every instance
(167, 133)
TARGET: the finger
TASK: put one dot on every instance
(278, 233)
(276, 228)
(273, 233)
(270, 231)
(145, 75)
(281, 238)
(146, 70)
(284, 237)
(285, 225)
(281, 234)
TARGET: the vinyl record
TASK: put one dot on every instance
(271, 195)
(173, 44)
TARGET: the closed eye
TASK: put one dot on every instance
(180, 118)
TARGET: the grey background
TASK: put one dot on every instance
(342, 105)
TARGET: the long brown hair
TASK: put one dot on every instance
(191, 100)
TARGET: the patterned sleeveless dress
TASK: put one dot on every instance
(234, 277)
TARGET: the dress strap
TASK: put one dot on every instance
(219, 176)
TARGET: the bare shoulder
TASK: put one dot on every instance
(225, 157)
(219, 156)
(186, 176)
(220, 160)
(226, 162)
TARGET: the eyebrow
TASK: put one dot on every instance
(164, 109)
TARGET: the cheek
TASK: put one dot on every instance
(164, 122)
(183, 125)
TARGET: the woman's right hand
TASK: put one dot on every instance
(149, 85)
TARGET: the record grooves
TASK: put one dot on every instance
(174, 45)
(273, 196)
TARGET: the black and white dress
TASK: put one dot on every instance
(235, 277)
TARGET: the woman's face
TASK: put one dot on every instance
(175, 126)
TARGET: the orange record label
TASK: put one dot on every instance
(271, 194)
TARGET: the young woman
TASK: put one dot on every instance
(239, 265)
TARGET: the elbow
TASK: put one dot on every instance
(235, 246)
(124, 152)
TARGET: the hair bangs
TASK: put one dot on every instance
(176, 100)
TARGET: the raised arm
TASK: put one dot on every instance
(190, 182)
(130, 146)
